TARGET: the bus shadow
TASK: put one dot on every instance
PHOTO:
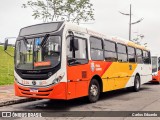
(63, 105)
(152, 83)
(119, 93)
(56, 105)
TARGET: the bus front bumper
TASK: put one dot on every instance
(57, 91)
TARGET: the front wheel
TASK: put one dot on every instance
(137, 83)
(93, 91)
(158, 82)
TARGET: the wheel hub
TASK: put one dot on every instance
(94, 90)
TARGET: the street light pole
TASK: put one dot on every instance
(130, 22)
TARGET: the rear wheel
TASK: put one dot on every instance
(137, 83)
(158, 82)
(93, 91)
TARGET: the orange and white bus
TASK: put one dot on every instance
(60, 60)
(155, 69)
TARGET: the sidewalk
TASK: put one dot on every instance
(7, 96)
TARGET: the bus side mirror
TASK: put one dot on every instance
(5, 44)
(74, 44)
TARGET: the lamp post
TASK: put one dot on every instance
(130, 21)
(130, 17)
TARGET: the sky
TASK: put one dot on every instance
(108, 20)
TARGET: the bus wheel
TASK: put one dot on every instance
(94, 91)
(137, 83)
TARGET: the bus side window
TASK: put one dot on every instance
(131, 54)
(110, 51)
(146, 57)
(96, 48)
(122, 53)
(159, 63)
(139, 56)
(81, 56)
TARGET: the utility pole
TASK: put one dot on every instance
(130, 22)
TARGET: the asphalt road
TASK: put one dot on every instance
(147, 99)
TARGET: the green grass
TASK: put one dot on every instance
(6, 66)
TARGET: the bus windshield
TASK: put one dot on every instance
(154, 64)
(38, 53)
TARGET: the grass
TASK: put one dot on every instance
(6, 66)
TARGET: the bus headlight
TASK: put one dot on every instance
(58, 79)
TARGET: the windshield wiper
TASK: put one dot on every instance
(44, 40)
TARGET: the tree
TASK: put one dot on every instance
(67, 10)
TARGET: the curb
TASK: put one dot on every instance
(11, 102)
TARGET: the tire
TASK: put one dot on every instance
(158, 82)
(93, 91)
(137, 83)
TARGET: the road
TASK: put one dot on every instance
(147, 99)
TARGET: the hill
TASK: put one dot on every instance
(6, 66)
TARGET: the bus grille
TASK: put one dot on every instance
(44, 92)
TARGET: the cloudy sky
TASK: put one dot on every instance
(107, 19)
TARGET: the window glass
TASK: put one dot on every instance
(121, 48)
(96, 54)
(131, 58)
(37, 53)
(40, 28)
(131, 54)
(110, 56)
(80, 54)
(145, 54)
(139, 60)
(110, 51)
(138, 52)
(154, 64)
(96, 49)
(146, 57)
(158, 62)
(139, 56)
(96, 43)
(131, 51)
(109, 46)
(122, 53)
(122, 57)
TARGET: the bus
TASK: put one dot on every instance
(61, 60)
(155, 69)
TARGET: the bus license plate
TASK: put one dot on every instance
(33, 90)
